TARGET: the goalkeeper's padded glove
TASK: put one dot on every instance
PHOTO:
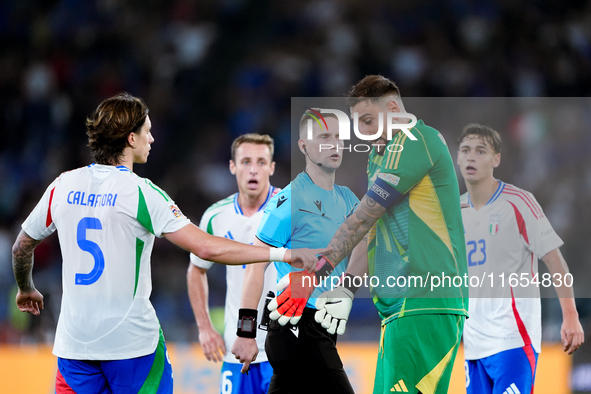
(296, 288)
(333, 309)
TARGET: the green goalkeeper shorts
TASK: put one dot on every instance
(417, 354)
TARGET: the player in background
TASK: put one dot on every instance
(306, 212)
(236, 217)
(506, 232)
(412, 214)
(108, 337)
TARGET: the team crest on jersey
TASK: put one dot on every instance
(494, 223)
(176, 211)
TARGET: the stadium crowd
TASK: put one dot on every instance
(211, 70)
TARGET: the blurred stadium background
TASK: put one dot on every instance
(211, 70)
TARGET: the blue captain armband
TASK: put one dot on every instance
(383, 193)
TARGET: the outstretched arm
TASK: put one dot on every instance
(246, 349)
(217, 249)
(352, 231)
(28, 299)
(225, 251)
(211, 341)
(571, 331)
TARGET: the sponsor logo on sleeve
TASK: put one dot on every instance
(176, 211)
(390, 178)
(281, 200)
(544, 234)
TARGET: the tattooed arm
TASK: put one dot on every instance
(354, 229)
(28, 299)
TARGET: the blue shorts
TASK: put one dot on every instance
(508, 372)
(256, 382)
(147, 374)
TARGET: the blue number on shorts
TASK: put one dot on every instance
(474, 245)
(92, 248)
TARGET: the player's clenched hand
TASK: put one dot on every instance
(31, 302)
(572, 334)
(333, 309)
(246, 351)
(305, 258)
(212, 344)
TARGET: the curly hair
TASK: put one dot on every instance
(110, 124)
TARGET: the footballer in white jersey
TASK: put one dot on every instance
(507, 236)
(506, 233)
(106, 218)
(236, 217)
(225, 219)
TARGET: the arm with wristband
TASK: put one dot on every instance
(289, 305)
(245, 347)
(226, 251)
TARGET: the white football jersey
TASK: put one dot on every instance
(506, 236)
(225, 219)
(106, 218)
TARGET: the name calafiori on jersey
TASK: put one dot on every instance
(92, 200)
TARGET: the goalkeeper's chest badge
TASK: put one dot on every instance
(494, 224)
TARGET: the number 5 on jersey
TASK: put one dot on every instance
(92, 248)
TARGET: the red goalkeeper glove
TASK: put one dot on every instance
(297, 287)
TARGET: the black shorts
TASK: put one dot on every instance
(305, 358)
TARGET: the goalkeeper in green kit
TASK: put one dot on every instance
(411, 215)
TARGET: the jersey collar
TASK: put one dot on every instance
(238, 209)
(120, 168)
(494, 197)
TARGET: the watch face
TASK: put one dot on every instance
(247, 324)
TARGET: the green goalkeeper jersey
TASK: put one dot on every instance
(421, 235)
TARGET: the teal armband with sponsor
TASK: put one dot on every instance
(383, 193)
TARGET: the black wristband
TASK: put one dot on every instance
(348, 283)
(247, 323)
(324, 270)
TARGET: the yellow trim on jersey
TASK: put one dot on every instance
(402, 308)
(424, 202)
(398, 140)
(381, 346)
(372, 232)
(391, 154)
(428, 385)
(400, 153)
(425, 143)
(400, 249)
(427, 311)
(386, 239)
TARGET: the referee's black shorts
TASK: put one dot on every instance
(305, 358)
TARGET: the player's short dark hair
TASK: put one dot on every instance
(260, 139)
(110, 124)
(486, 133)
(373, 87)
(312, 113)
